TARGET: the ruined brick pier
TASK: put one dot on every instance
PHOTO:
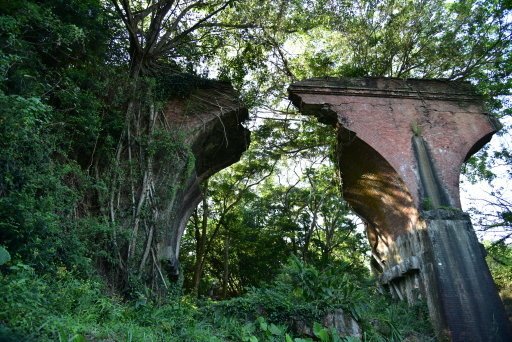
(401, 144)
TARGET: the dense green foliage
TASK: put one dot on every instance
(279, 200)
(82, 83)
(499, 259)
(50, 118)
(65, 308)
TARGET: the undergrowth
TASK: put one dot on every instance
(67, 308)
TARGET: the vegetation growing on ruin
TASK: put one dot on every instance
(272, 247)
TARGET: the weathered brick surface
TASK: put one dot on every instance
(210, 121)
(401, 144)
(387, 122)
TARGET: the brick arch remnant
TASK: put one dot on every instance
(401, 144)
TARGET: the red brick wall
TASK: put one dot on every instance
(450, 121)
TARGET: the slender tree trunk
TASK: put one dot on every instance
(201, 239)
(329, 234)
(307, 239)
(225, 277)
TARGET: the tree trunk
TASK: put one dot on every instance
(225, 277)
(307, 239)
(201, 239)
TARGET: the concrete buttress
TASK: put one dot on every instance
(401, 145)
(210, 119)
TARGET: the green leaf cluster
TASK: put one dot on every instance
(51, 118)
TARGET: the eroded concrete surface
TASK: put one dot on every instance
(401, 144)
